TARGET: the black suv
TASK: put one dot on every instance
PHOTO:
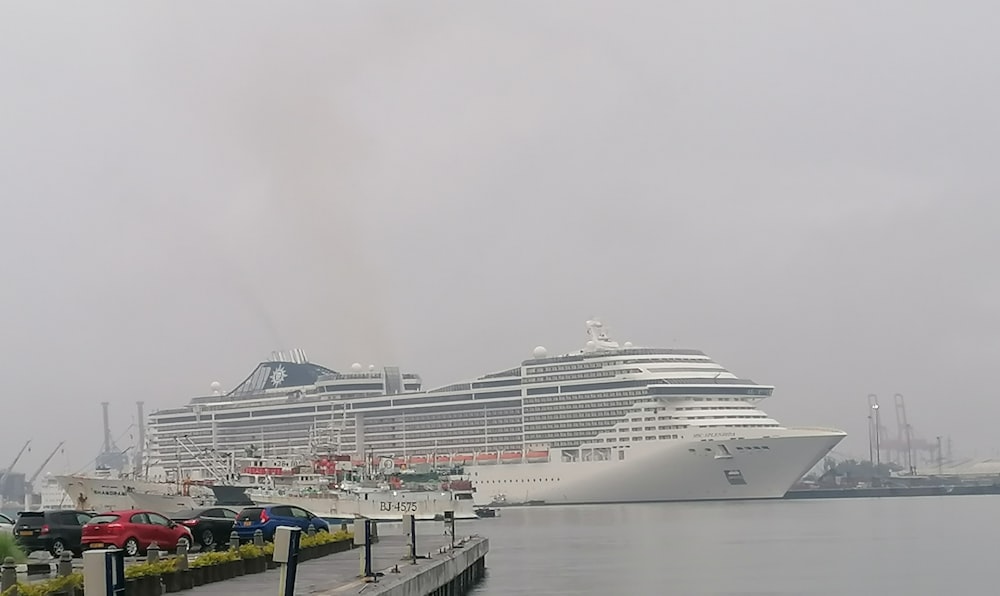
(54, 531)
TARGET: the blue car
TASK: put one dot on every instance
(269, 517)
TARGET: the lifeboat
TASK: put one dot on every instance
(486, 458)
(538, 456)
(510, 457)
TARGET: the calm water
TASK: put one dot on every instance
(912, 546)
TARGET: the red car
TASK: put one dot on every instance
(133, 531)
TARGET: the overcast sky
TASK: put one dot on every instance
(808, 193)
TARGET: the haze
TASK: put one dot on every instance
(805, 192)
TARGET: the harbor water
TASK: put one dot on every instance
(912, 546)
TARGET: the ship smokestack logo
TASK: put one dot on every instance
(278, 376)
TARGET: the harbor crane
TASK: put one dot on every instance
(904, 434)
(30, 482)
(3, 474)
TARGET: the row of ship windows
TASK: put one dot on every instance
(478, 413)
(515, 481)
(717, 408)
(493, 432)
(577, 416)
(756, 416)
(584, 405)
(474, 424)
(583, 397)
(538, 370)
(639, 429)
(593, 425)
(532, 436)
(393, 449)
(596, 374)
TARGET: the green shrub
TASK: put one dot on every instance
(48, 587)
(162, 566)
(320, 538)
(249, 551)
(10, 548)
(208, 559)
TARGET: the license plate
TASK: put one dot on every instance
(247, 522)
(96, 545)
(26, 532)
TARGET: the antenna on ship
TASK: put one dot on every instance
(599, 339)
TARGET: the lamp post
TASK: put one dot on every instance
(878, 454)
(871, 439)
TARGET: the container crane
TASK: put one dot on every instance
(30, 483)
(3, 474)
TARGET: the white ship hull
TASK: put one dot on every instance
(166, 504)
(108, 494)
(664, 471)
(381, 507)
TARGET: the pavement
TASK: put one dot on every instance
(337, 573)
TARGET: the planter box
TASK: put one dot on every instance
(187, 581)
(197, 575)
(143, 586)
(239, 568)
(269, 562)
(255, 565)
(171, 582)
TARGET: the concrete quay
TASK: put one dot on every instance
(439, 571)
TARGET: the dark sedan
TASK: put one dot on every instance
(210, 526)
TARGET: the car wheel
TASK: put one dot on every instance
(207, 539)
(131, 547)
(322, 529)
(57, 548)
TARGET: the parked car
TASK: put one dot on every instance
(53, 531)
(133, 531)
(266, 519)
(210, 526)
(6, 524)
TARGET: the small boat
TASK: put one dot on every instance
(486, 512)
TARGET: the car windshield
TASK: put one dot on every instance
(103, 519)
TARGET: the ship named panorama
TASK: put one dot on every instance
(608, 424)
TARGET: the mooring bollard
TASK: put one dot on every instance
(153, 553)
(234, 540)
(8, 578)
(258, 538)
(311, 530)
(182, 557)
(65, 563)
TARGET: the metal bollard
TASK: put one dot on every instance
(8, 578)
(311, 530)
(234, 540)
(258, 538)
(65, 563)
(182, 557)
(153, 553)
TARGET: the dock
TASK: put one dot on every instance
(439, 570)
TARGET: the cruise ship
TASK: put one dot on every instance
(610, 423)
